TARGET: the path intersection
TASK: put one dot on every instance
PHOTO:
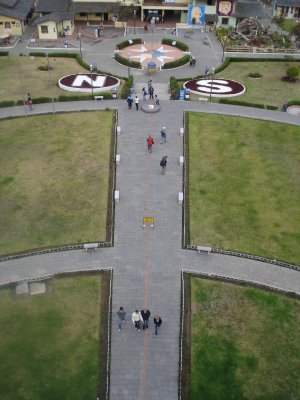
(147, 262)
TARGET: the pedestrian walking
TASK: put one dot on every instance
(146, 28)
(145, 315)
(136, 101)
(151, 92)
(157, 324)
(163, 164)
(206, 71)
(163, 135)
(121, 317)
(149, 83)
(156, 100)
(98, 31)
(144, 93)
(129, 101)
(137, 319)
(150, 143)
(193, 62)
(29, 102)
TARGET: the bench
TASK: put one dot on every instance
(203, 99)
(118, 159)
(204, 249)
(180, 197)
(181, 131)
(117, 196)
(90, 246)
(98, 98)
(118, 130)
(181, 161)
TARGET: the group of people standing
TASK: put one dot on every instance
(140, 319)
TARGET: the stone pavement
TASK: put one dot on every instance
(147, 262)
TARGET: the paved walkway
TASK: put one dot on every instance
(147, 262)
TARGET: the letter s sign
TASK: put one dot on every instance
(214, 87)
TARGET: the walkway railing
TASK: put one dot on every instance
(259, 50)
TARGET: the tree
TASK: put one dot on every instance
(292, 73)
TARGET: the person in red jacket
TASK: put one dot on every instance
(150, 143)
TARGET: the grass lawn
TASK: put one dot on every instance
(244, 185)
(19, 75)
(245, 343)
(269, 89)
(49, 343)
(288, 25)
(54, 179)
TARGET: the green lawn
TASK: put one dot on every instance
(244, 185)
(54, 178)
(49, 343)
(24, 76)
(269, 89)
(288, 25)
(245, 343)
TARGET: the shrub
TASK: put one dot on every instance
(7, 103)
(37, 54)
(3, 53)
(278, 20)
(180, 45)
(177, 63)
(292, 72)
(254, 75)
(240, 103)
(223, 66)
(126, 43)
(41, 100)
(293, 103)
(126, 87)
(75, 97)
(62, 55)
(45, 68)
(174, 87)
(128, 63)
(296, 30)
(268, 107)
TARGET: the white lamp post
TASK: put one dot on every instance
(79, 37)
(211, 82)
(91, 68)
(134, 17)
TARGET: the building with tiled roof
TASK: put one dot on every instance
(14, 15)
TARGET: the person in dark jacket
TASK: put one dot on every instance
(157, 324)
(145, 315)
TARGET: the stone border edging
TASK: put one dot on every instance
(51, 250)
(249, 257)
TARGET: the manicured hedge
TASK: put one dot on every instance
(128, 63)
(177, 63)
(293, 103)
(7, 103)
(126, 87)
(240, 103)
(174, 88)
(78, 97)
(3, 53)
(180, 45)
(41, 100)
(126, 43)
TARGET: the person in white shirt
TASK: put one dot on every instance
(137, 319)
